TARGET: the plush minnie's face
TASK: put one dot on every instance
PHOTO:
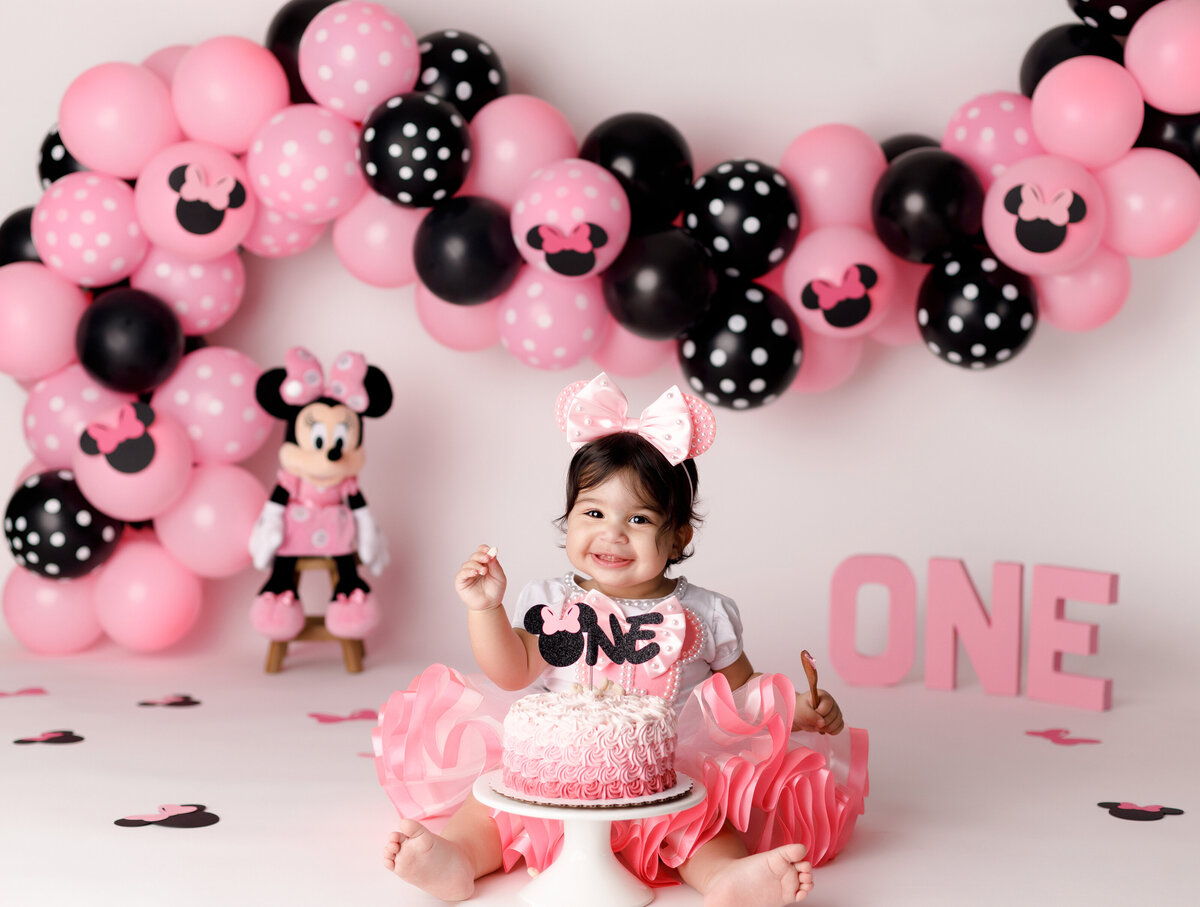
(328, 445)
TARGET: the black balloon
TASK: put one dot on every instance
(16, 238)
(926, 201)
(53, 530)
(415, 149)
(1114, 18)
(650, 159)
(54, 160)
(283, 40)
(1178, 133)
(896, 145)
(745, 350)
(460, 68)
(745, 214)
(660, 284)
(129, 340)
(974, 311)
(464, 250)
(1063, 43)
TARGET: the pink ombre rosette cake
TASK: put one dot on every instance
(588, 744)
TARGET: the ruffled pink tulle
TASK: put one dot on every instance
(773, 785)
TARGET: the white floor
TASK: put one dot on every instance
(965, 808)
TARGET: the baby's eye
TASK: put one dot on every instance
(640, 519)
(320, 434)
(594, 514)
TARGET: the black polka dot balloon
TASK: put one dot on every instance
(745, 214)
(460, 68)
(53, 530)
(974, 311)
(415, 149)
(745, 350)
(1113, 16)
(54, 160)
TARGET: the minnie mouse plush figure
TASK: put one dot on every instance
(316, 509)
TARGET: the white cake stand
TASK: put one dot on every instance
(586, 873)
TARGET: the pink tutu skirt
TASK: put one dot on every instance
(773, 785)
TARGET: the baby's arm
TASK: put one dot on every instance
(826, 718)
(508, 656)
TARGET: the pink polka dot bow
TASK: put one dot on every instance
(679, 425)
(305, 382)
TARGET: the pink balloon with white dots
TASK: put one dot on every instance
(550, 322)
(58, 410)
(204, 295)
(212, 395)
(274, 236)
(85, 227)
(991, 133)
(355, 55)
(303, 163)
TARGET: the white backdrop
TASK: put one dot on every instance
(1079, 452)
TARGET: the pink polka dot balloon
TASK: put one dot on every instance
(207, 528)
(571, 219)
(549, 322)
(192, 199)
(992, 132)
(274, 236)
(303, 163)
(355, 55)
(211, 395)
(58, 410)
(839, 281)
(203, 294)
(38, 313)
(85, 227)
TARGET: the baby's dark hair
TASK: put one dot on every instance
(671, 490)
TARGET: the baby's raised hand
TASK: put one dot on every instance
(826, 718)
(480, 581)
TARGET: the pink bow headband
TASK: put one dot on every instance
(305, 382)
(679, 425)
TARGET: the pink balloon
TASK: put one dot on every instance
(1154, 202)
(627, 355)
(38, 313)
(355, 55)
(223, 90)
(827, 362)
(194, 200)
(164, 62)
(1044, 215)
(115, 117)
(374, 241)
(85, 227)
(32, 468)
(274, 236)
(552, 322)
(211, 394)
(556, 216)
(839, 281)
(207, 530)
(303, 163)
(51, 616)
(145, 599)
(467, 328)
(203, 294)
(511, 137)
(1088, 109)
(898, 327)
(833, 170)
(59, 408)
(1163, 55)
(992, 132)
(147, 492)
(1087, 296)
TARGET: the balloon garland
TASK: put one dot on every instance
(425, 169)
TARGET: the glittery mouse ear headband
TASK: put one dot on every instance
(679, 425)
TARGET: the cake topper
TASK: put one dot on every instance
(576, 630)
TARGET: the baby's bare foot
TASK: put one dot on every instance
(430, 862)
(771, 879)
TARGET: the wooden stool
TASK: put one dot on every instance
(314, 626)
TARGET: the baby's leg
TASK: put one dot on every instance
(727, 876)
(448, 864)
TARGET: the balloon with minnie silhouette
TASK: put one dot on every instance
(316, 509)
(840, 281)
